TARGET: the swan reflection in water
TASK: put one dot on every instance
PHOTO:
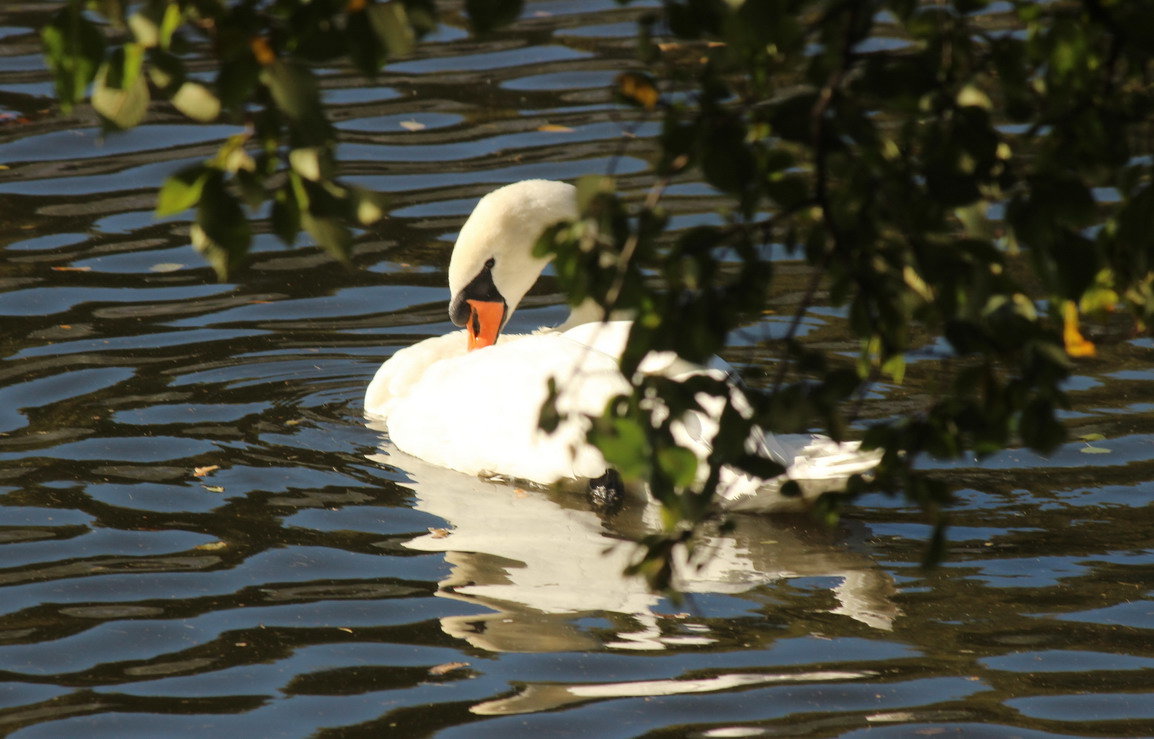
(542, 562)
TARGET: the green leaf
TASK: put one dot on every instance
(679, 464)
(368, 207)
(895, 367)
(486, 16)
(390, 23)
(221, 232)
(166, 71)
(312, 163)
(171, 20)
(237, 81)
(113, 10)
(197, 102)
(286, 213)
(295, 92)
(727, 161)
(330, 234)
(74, 49)
(122, 107)
(124, 66)
(252, 189)
(144, 29)
(624, 445)
(181, 190)
(422, 15)
(592, 187)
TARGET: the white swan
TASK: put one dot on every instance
(477, 411)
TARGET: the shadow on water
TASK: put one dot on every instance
(198, 533)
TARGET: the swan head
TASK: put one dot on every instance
(493, 266)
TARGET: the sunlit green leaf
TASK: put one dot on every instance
(122, 107)
(312, 163)
(144, 29)
(181, 190)
(197, 102)
(623, 443)
(368, 206)
(170, 22)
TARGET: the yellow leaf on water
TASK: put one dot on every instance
(202, 471)
(554, 128)
(638, 88)
(412, 125)
(1076, 344)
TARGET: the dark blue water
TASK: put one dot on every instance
(199, 534)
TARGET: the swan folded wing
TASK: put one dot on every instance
(478, 413)
(401, 372)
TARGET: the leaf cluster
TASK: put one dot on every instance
(966, 175)
(265, 78)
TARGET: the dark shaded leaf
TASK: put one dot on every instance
(74, 49)
(330, 233)
(221, 232)
(486, 16)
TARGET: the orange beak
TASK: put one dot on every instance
(485, 319)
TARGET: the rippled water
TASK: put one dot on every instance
(198, 532)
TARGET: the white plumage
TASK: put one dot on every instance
(476, 411)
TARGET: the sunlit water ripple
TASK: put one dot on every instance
(199, 533)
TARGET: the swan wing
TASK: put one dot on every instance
(401, 372)
(479, 412)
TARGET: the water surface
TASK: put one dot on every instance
(199, 533)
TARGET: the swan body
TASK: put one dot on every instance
(476, 412)
(470, 400)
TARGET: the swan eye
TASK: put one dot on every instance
(490, 263)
